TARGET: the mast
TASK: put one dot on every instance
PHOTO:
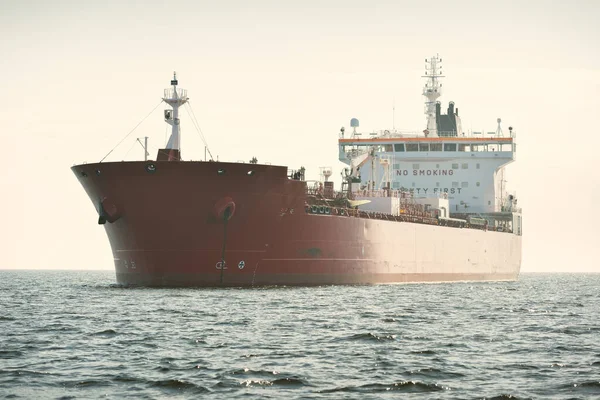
(432, 91)
(145, 146)
(394, 114)
(175, 98)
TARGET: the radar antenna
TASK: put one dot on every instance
(354, 124)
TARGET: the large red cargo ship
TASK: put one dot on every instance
(206, 223)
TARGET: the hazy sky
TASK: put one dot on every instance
(276, 80)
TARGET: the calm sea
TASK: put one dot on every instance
(77, 335)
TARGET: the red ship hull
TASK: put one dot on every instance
(166, 227)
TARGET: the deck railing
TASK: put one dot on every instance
(403, 217)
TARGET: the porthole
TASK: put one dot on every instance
(83, 174)
(250, 173)
(98, 172)
(221, 171)
(150, 168)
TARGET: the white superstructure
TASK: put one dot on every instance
(443, 161)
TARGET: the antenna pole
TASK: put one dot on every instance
(394, 114)
(145, 148)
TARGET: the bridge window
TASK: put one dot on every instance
(477, 165)
(463, 147)
(396, 166)
(454, 184)
(437, 184)
(435, 147)
(464, 184)
(388, 148)
(449, 146)
(395, 185)
(399, 147)
(412, 147)
(465, 166)
(423, 146)
(478, 184)
(415, 166)
(454, 166)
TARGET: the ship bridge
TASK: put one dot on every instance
(415, 146)
(426, 147)
(469, 168)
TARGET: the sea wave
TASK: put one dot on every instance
(73, 335)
